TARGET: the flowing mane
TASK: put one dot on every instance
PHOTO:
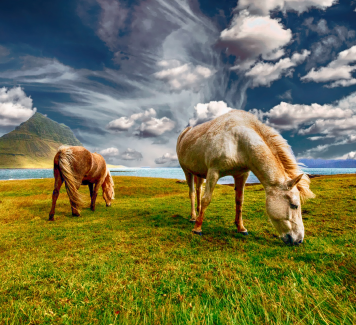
(284, 155)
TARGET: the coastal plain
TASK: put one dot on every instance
(137, 262)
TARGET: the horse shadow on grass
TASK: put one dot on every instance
(222, 234)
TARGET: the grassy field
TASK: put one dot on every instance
(138, 263)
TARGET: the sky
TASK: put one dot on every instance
(128, 76)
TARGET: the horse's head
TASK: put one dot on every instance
(108, 189)
(283, 206)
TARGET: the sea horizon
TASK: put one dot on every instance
(155, 172)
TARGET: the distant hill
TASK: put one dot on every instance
(34, 143)
(326, 163)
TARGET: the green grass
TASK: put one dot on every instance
(138, 263)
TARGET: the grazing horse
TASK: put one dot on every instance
(235, 144)
(77, 166)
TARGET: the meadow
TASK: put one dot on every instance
(137, 262)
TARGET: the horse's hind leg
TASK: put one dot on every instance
(190, 181)
(199, 185)
(75, 210)
(57, 186)
(239, 199)
(211, 180)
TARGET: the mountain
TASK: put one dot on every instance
(34, 143)
(332, 163)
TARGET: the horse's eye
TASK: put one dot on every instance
(293, 206)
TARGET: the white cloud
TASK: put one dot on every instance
(336, 122)
(286, 95)
(342, 83)
(263, 7)
(332, 127)
(209, 111)
(131, 154)
(248, 37)
(145, 124)
(351, 155)
(273, 55)
(120, 124)
(183, 76)
(42, 70)
(155, 127)
(339, 70)
(144, 116)
(109, 152)
(286, 116)
(263, 74)
(167, 158)
(15, 106)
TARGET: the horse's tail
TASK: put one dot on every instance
(65, 163)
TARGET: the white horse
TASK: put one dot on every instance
(235, 144)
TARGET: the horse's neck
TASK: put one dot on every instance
(265, 166)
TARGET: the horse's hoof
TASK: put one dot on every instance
(51, 217)
(192, 221)
(197, 233)
(75, 215)
(245, 233)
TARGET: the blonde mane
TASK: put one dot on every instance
(66, 159)
(109, 183)
(284, 155)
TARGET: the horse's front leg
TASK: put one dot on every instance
(199, 186)
(91, 189)
(239, 199)
(211, 180)
(94, 195)
(57, 186)
(190, 181)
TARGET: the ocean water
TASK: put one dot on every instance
(174, 173)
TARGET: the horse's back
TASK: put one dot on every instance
(80, 158)
(217, 143)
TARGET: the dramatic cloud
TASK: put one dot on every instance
(287, 116)
(183, 76)
(263, 74)
(167, 158)
(146, 125)
(42, 70)
(336, 122)
(109, 152)
(111, 21)
(263, 7)
(131, 154)
(15, 106)
(248, 37)
(339, 70)
(209, 111)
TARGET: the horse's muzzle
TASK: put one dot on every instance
(288, 240)
(108, 205)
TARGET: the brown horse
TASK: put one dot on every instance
(77, 166)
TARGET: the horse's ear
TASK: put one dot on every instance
(294, 182)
